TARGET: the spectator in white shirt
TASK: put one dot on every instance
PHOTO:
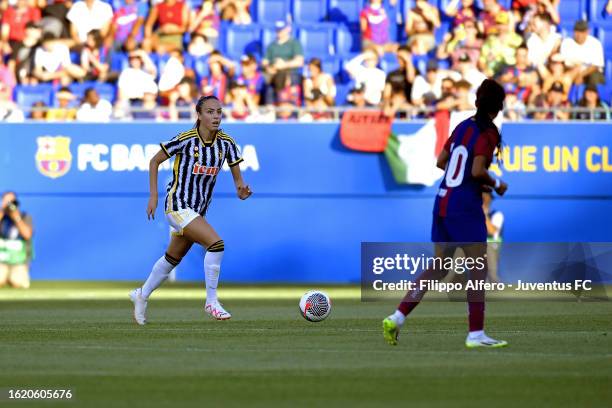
(88, 15)
(138, 78)
(94, 109)
(363, 69)
(52, 62)
(543, 41)
(584, 54)
(429, 87)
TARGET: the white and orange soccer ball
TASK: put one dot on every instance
(315, 306)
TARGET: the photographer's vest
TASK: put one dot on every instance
(14, 250)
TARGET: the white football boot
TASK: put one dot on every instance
(140, 306)
(484, 341)
(216, 311)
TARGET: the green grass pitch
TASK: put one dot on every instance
(81, 336)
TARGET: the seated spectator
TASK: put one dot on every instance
(199, 46)
(286, 108)
(421, 22)
(456, 96)
(356, 97)
(374, 23)
(398, 85)
(128, 21)
(52, 62)
(137, 79)
(22, 57)
(93, 108)
(554, 102)
(464, 40)
(95, 58)
(520, 77)
(428, 88)
(9, 111)
(241, 103)
(591, 100)
(253, 79)
(556, 72)
(584, 53)
(14, 21)
(318, 108)
(319, 81)
(206, 22)
(499, 49)
(173, 72)
(220, 70)
(526, 10)
(365, 72)
(543, 41)
(468, 71)
(492, 16)
(172, 19)
(146, 108)
(39, 111)
(55, 19)
(514, 108)
(236, 11)
(88, 15)
(64, 111)
(283, 60)
(469, 11)
(182, 100)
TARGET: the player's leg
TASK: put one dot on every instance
(19, 276)
(4, 274)
(200, 231)
(476, 300)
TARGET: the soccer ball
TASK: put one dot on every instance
(315, 306)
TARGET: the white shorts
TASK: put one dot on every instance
(180, 219)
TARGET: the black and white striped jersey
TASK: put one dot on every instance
(195, 169)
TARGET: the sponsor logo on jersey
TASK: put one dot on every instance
(209, 171)
(53, 157)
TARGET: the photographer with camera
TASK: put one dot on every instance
(15, 243)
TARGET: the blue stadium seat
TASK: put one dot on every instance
(270, 11)
(389, 62)
(200, 67)
(331, 65)
(317, 39)
(344, 11)
(342, 91)
(119, 61)
(571, 11)
(575, 93)
(348, 39)
(243, 39)
(605, 36)
(309, 11)
(608, 71)
(105, 90)
(605, 92)
(596, 14)
(27, 95)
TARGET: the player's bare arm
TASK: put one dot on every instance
(443, 159)
(156, 160)
(480, 172)
(243, 190)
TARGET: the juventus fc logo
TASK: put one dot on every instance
(209, 171)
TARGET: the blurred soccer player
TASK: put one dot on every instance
(458, 219)
(200, 154)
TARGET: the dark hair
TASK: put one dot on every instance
(316, 62)
(490, 98)
(199, 105)
(97, 37)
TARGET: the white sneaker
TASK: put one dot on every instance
(484, 341)
(216, 311)
(140, 306)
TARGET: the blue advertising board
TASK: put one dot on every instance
(314, 202)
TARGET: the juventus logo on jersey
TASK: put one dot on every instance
(209, 171)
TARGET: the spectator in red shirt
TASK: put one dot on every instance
(491, 14)
(172, 18)
(14, 23)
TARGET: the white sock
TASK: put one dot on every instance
(159, 274)
(398, 317)
(212, 267)
(475, 334)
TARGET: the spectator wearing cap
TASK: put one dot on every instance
(128, 21)
(421, 22)
(463, 40)
(428, 88)
(356, 97)
(469, 72)
(555, 104)
(220, 70)
(591, 100)
(22, 57)
(136, 79)
(236, 11)
(88, 15)
(462, 11)
(319, 81)
(542, 42)
(584, 54)
(172, 20)
(499, 49)
(364, 70)
(93, 108)
(206, 22)
(64, 111)
(556, 72)
(52, 62)
(252, 77)
(398, 83)
(284, 57)
(318, 108)
(374, 24)
(95, 57)
(14, 22)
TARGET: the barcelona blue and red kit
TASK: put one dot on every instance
(458, 214)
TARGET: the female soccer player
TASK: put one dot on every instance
(458, 219)
(200, 154)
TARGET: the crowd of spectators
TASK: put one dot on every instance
(165, 53)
